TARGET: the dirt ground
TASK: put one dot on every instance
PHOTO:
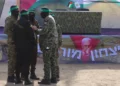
(76, 75)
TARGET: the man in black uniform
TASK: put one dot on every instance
(25, 43)
(34, 58)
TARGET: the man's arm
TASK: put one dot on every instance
(37, 25)
(45, 29)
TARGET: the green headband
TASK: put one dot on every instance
(13, 8)
(31, 12)
(25, 13)
(45, 10)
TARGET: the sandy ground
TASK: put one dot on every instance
(76, 75)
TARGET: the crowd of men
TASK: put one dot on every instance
(22, 30)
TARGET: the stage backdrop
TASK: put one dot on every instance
(80, 49)
(5, 9)
(110, 10)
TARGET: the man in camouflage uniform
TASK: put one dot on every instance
(34, 59)
(9, 22)
(48, 44)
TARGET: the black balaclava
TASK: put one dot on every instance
(44, 13)
(14, 11)
(31, 16)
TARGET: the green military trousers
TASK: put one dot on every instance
(11, 59)
(49, 59)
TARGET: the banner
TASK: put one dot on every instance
(80, 49)
(90, 48)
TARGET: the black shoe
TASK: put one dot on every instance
(18, 81)
(45, 81)
(22, 78)
(53, 80)
(27, 82)
(34, 77)
(10, 79)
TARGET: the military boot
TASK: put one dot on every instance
(53, 80)
(33, 76)
(11, 79)
(18, 80)
(22, 78)
(27, 82)
(45, 81)
(58, 73)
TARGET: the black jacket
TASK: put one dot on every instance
(23, 35)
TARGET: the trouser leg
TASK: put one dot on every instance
(53, 60)
(11, 59)
(25, 70)
(47, 64)
(18, 69)
(57, 66)
(11, 62)
(53, 66)
(34, 60)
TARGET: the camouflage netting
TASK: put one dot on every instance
(79, 22)
(73, 22)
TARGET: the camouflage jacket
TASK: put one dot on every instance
(48, 34)
(9, 23)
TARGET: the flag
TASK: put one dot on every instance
(70, 5)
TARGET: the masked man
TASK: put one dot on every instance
(25, 43)
(49, 46)
(9, 23)
(34, 58)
